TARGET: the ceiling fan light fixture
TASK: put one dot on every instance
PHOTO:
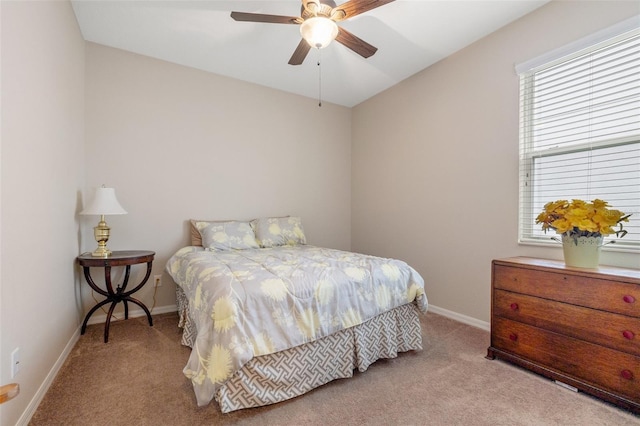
(319, 31)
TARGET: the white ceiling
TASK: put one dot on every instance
(410, 36)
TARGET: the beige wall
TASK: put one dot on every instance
(177, 143)
(42, 171)
(435, 159)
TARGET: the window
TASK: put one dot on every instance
(580, 131)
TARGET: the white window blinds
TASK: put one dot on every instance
(580, 134)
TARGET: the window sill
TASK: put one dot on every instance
(611, 247)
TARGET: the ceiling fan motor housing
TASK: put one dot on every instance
(313, 8)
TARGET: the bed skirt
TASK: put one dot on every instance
(286, 374)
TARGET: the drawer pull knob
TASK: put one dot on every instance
(628, 334)
(626, 374)
(629, 299)
(513, 337)
(514, 306)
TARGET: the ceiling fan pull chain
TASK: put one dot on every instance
(319, 79)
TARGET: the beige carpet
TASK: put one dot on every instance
(136, 379)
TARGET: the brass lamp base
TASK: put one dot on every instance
(101, 233)
(101, 252)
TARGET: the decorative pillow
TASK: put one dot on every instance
(196, 237)
(231, 235)
(279, 231)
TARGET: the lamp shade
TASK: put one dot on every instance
(104, 203)
(319, 31)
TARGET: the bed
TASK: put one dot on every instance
(270, 317)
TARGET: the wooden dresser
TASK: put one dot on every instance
(578, 326)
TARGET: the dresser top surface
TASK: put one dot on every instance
(546, 264)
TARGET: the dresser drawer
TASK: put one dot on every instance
(612, 296)
(616, 331)
(596, 365)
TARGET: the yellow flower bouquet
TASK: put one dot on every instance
(582, 219)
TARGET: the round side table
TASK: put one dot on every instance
(121, 294)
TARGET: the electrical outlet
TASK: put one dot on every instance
(15, 362)
(157, 280)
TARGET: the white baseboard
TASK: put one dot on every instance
(44, 387)
(460, 318)
(133, 313)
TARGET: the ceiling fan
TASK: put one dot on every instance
(318, 25)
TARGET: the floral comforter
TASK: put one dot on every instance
(247, 303)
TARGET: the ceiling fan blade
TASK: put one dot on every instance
(270, 19)
(356, 7)
(356, 44)
(300, 53)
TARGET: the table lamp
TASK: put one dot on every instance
(104, 203)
